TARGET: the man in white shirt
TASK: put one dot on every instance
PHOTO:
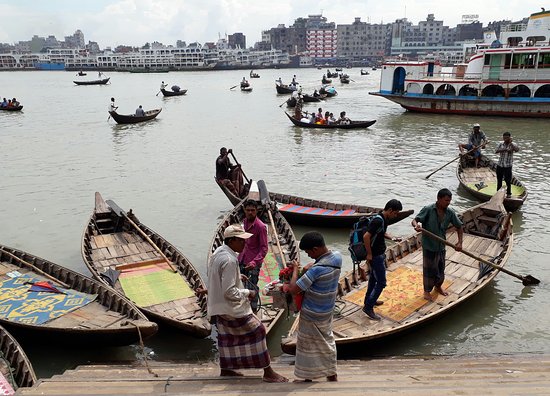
(241, 335)
(112, 106)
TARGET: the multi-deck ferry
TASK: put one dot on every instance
(510, 77)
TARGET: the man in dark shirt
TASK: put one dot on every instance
(226, 172)
(374, 240)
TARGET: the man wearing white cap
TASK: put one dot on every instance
(241, 335)
(476, 141)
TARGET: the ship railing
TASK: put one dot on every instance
(450, 76)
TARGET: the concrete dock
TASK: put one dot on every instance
(467, 375)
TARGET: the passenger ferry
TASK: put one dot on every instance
(510, 77)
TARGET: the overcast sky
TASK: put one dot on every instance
(135, 22)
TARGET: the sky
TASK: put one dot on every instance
(135, 22)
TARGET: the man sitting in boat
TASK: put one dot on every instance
(140, 112)
(244, 83)
(477, 140)
(227, 174)
(14, 102)
(344, 120)
(4, 103)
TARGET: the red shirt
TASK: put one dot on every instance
(256, 247)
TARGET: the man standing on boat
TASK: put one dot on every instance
(315, 345)
(112, 106)
(477, 140)
(241, 335)
(375, 244)
(163, 85)
(255, 249)
(436, 218)
(506, 149)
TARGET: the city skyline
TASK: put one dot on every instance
(135, 22)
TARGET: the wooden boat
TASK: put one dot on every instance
(482, 182)
(173, 93)
(15, 366)
(12, 108)
(254, 75)
(328, 91)
(332, 75)
(81, 74)
(248, 88)
(351, 125)
(344, 79)
(284, 89)
(134, 119)
(306, 211)
(364, 72)
(93, 82)
(118, 241)
(338, 69)
(326, 81)
(311, 98)
(487, 233)
(108, 319)
(280, 236)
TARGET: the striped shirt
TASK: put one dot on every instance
(320, 284)
(506, 157)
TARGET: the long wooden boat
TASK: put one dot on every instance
(134, 119)
(284, 89)
(364, 72)
(120, 242)
(108, 317)
(306, 211)
(328, 91)
(326, 81)
(280, 236)
(15, 366)
(247, 88)
(173, 93)
(11, 108)
(344, 79)
(351, 125)
(482, 182)
(93, 82)
(311, 98)
(487, 233)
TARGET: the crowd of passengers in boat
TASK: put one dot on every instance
(9, 103)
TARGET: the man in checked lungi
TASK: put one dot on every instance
(315, 346)
(241, 335)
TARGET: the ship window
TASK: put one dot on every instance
(493, 90)
(523, 60)
(533, 40)
(446, 89)
(520, 91)
(543, 92)
(467, 90)
(428, 89)
(544, 60)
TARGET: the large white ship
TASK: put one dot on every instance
(510, 77)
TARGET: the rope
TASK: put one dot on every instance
(142, 348)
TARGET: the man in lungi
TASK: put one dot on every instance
(315, 347)
(435, 218)
(241, 335)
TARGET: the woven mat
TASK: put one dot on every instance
(18, 304)
(402, 296)
(154, 284)
(491, 189)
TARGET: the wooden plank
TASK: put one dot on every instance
(128, 266)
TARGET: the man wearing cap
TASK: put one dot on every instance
(241, 335)
(476, 140)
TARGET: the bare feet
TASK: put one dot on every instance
(428, 296)
(441, 291)
(271, 376)
(332, 378)
(230, 373)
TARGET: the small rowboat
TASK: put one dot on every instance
(332, 75)
(254, 75)
(351, 125)
(15, 366)
(103, 317)
(487, 233)
(284, 89)
(481, 182)
(93, 82)
(326, 81)
(12, 108)
(173, 93)
(134, 119)
(248, 88)
(306, 211)
(117, 241)
(344, 79)
(328, 91)
(280, 236)
(364, 72)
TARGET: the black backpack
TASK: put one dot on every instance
(356, 246)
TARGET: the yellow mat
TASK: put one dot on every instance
(402, 296)
(491, 189)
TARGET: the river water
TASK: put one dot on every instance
(62, 148)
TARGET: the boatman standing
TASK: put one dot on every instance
(112, 106)
(506, 149)
(163, 85)
(477, 140)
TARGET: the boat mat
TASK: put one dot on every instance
(269, 272)
(315, 211)
(19, 304)
(154, 284)
(491, 188)
(402, 295)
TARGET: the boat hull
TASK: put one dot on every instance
(172, 93)
(351, 125)
(17, 108)
(21, 368)
(93, 82)
(133, 119)
(470, 105)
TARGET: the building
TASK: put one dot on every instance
(321, 38)
(237, 40)
(363, 42)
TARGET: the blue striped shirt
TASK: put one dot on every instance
(320, 284)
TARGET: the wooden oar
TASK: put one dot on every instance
(237, 163)
(158, 92)
(527, 280)
(122, 213)
(281, 105)
(454, 159)
(35, 269)
(235, 86)
(266, 202)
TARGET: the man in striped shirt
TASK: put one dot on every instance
(506, 149)
(315, 346)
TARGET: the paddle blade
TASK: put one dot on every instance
(117, 209)
(264, 193)
(529, 280)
